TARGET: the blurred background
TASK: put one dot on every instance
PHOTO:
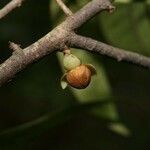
(112, 113)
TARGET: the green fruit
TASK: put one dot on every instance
(71, 61)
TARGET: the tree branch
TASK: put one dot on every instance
(53, 41)
(62, 36)
(105, 49)
(9, 7)
(66, 10)
(88, 12)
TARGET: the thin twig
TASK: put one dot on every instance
(105, 49)
(66, 10)
(88, 12)
(9, 7)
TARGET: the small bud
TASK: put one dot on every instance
(71, 61)
(79, 77)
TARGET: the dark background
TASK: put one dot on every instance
(36, 114)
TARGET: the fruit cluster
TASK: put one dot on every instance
(77, 75)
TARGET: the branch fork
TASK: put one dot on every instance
(63, 35)
(65, 9)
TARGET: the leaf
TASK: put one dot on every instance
(120, 129)
(99, 88)
(128, 27)
(123, 1)
(63, 81)
(92, 69)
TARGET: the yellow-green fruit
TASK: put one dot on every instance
(71, 61)
(79, 77)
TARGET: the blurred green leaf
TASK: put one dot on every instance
(120, 128)
(99, 88)
(128, 27)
